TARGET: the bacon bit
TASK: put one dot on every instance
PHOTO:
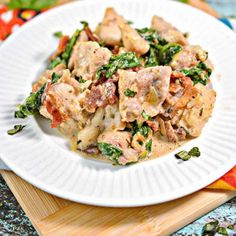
(93, 150)
(57, 116)
(154, 125)
(174, 88)
(176, 75)
(136, 69)
(91, 35)
(170, 132)
(186, 82)
(61, 46)
(181, 133)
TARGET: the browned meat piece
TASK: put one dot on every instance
(61, 46)
(100, 96)
(167, 31)
(189, 56)
(150, 86)
(89, 56)
(115, 29)
(121, 140)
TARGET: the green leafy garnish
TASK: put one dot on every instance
(54, 62)
(30, 4)
(148, 145)
(183, 155)
(84, 23)
(58, 34)
(112, 152)
(198, 74)
(80, 79)
(152, 58)
(31, 104)
(146, 116)
(222, 231)
(16, 129)
(142, 128)
(55, 78)
(194, 152)
(167, 52)
(123, 61)
(129, 93)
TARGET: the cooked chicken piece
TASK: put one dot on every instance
(88, 136)
(112, 118)
(189, 56)
(82, 38)
(89, 56)
(198, 111)
(109, 30)
(99, 96)
(120, 140)
(114, 28)
(167, 31)
(150, 87)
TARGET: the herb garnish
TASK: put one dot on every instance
(16, 129)
(142, 128)
(152, 58)
(31, 104)
(55, 78)
(129, 93)
(222, 231)
(58, 34)
(80, 79)
(184, 155)
(148, 145)
(112, 152)
(146, 116)
(198, 74)
(123, 61)
(167, 52)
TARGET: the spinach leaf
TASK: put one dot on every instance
(142, 128)
(152, 58)
(80, 79)
(123, 61)
(16, 129)
(148, 145)
(129, 93)
(31, 104)
(55, 78)
(167, 52)
(112, 152)
(58, 34)
(146, 116)
(198, 74)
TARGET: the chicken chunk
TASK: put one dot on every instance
(188, 57)
(89, 56)
(150, 88)
(115, 29)
(120, 140)
(167, 31)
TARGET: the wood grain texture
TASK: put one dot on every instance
(55, 216)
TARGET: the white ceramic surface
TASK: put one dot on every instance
(42, 157)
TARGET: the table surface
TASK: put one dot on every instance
(13, 220)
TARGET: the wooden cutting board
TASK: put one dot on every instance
(51, 215)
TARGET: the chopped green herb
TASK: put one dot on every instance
(146, 116)
(112, 152)
(54, 62)
(80, 79)
(123, 61)
(183, 155)
(152, 58)
(31, 104)
(58, 34)
(129, 93)
(130, 22)
(194, 152)
(84, 23)
(199, 74)
(55, 78)
(168, 51)
(140, 142)
(149, 145)
(210, 228)
(222, 231)
(102, 43)
(16, 129)
(142, 128)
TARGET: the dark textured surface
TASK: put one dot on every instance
(13, 220)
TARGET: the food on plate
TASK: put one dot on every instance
(123, 93)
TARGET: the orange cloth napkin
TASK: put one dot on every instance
(10, 20)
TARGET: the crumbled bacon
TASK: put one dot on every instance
(91, 35)
(61, 46)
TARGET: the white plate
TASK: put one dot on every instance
(42, 157)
